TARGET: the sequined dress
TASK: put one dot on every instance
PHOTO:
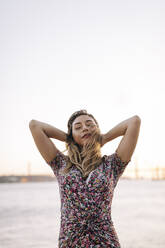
(86, 204)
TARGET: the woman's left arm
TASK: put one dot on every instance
(129, 129)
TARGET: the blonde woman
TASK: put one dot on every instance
(86, 179)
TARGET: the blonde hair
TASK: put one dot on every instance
(87, 158)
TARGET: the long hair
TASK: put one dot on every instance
(85, 158)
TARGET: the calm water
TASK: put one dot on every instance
(30, 214)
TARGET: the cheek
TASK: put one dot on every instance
(76, 137)
(93, 128)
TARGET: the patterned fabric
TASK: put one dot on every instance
(86, 203)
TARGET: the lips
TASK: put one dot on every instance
(87, 135)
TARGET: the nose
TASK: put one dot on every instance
(84, 128)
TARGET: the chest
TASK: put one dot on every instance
(98, 181)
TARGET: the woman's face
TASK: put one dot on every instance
(82, 128)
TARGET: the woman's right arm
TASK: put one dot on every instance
(42, 132)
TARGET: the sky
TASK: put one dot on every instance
(58, 57)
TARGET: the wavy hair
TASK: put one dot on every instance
(85, 158)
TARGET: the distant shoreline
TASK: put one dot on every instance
(48, 178)
(26, 179)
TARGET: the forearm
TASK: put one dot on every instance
(50, 131)
(118, 130)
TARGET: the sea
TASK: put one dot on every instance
(30, 214)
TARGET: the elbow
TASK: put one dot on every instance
(32, 123)
(137, 119)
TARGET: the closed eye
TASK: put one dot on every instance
(77, 128)
(88, 124)
(91, 124)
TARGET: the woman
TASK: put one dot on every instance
(86, 179)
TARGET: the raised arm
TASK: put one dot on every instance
(42, 132)
(129, 129)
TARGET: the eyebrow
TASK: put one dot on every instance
(85, 121)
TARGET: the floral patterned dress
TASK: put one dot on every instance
(86, 204)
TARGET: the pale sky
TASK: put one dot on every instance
(61, 56)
